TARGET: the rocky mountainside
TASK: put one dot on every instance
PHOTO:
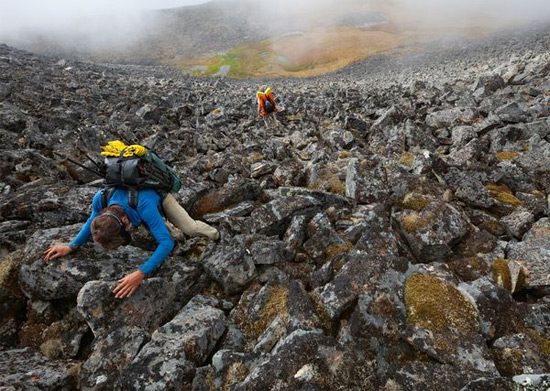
(392, 232)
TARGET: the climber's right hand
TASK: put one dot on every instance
(56, 251)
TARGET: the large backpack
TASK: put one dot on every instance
(134, 168)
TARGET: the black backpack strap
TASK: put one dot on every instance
(106, 194)
(162, 195)
(133, 198)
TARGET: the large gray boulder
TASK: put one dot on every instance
(451, 117)
(274, 217)
(147, 308)
(63, 278)
(231, 265)
(533, 252)
(434, 230)
(168, 360)
(359, 269)
(120, 326)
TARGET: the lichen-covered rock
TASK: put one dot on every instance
(301, 309)
(468, 187)
(454, 335)
(269, 251)
(432, 375)
(110, 356)
(532, 381)
(63, 278)
(228, 368)
(23, 369)
(295, 234)
(451, 117)
(487, 84)
(258, 308)
(230, 195)
(490, 383)
(363, 183)
(12, 301)
(533, 252)
(518, 222)
(498, 312)
(175, 349)
(49, 205)
(323, 242)
(240, 210)
(359, 269)
(231, 265)
(388, 118)
(274, 217)
(432, 232)
(310, 360)
(371, 231)
(147, 308)
(62, 339)
(522, 353)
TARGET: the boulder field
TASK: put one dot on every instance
(390, 232)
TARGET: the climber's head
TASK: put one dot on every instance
(109, 228)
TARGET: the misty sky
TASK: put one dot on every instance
(95, 21)
(25, 7)
(16, 14)
(107, 23)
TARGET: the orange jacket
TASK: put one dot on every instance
(261, 103)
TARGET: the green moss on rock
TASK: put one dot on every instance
(502, 194)
(501, 274)
(275, 305)
(329, 180)
(508, 361)
(542, 342)
(415, 202)
(52, 348)
(407, 159)
(412, 222)
(438, 306)
(9, 268)
(236, 373)
(338, 248)
(507, 155)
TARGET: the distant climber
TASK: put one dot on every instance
(267, 107)
(116, 209)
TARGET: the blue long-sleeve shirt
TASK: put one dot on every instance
(147, 212)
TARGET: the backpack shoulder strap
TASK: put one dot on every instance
(106, 194)
(133, 197)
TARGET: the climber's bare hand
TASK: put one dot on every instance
(129, 284)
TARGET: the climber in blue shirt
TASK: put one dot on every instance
(109, 228)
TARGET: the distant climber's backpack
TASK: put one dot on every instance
(135, 167)
(269, 106)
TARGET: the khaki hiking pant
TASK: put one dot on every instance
(270, 121)
(180, 218)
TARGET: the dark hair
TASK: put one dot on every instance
(108, 230)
